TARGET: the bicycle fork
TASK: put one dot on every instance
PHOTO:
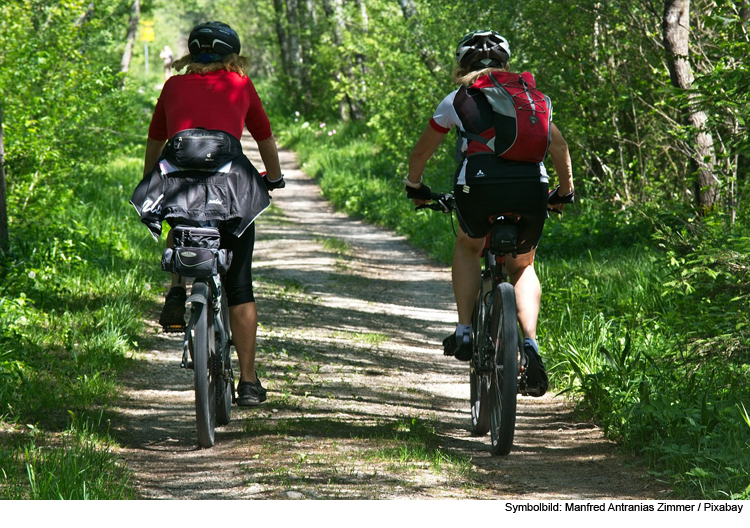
(485, 362)
(198, 295)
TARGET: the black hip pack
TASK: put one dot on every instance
(196, 253)
(202, 149)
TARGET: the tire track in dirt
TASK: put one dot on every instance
(352, 320)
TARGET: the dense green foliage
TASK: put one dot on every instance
(655, 337)
(645, 310)
(604, 69)
(74, 279)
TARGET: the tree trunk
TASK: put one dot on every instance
(334, 10)
(293, 39)
(676, 34)
(278, 6)
(307, 26)
(85, 15)
(358, 70)
(744, 6)
(409, 10)
(135, 15)
(3, 201)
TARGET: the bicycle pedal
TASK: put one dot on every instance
(531, 391)
(171, 329)
(522, 383)
(188, 365)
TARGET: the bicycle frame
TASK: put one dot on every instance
(207, 292)
(494, 273)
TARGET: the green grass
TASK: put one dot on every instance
(75, 283)
(417, 442)
(392, 448)
(336, 245)
(368, 338)
(78, 465)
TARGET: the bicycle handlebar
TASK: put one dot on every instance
(443, 202)
(446, 203)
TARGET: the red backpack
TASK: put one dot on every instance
(522, 117)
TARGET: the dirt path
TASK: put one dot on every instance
(362, 403)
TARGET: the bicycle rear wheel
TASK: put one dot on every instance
(202, 345)
(478, 378)
(504, 378)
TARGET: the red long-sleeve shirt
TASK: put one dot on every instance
(219, 100)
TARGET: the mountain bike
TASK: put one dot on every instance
(496, 369)
(207, 347)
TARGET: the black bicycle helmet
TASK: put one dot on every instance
(212, 41)
(483, 49)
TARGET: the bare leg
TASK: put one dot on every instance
(243, 319)
(466, 274)
(528, 291)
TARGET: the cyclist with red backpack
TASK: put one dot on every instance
(505, 130)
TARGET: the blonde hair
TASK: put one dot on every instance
(467, 77)
(232, 62)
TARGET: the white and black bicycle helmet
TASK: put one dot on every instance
(483, 49)
(212, 41)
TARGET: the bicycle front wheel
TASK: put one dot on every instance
(504, 377)
(202, 345)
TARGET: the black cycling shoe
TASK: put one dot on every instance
(172, 317)
(250, 394)
(534, 381)
(462, 352)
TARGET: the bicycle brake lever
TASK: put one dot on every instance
(444, 206)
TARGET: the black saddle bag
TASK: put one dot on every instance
(504, 238)
(202, 149)
(196, 253)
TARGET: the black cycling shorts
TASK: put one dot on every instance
(527, 199)
(238, 282)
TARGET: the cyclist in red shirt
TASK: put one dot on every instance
(215, 93)
(487, 185)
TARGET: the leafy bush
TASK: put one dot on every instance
(663, 363)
